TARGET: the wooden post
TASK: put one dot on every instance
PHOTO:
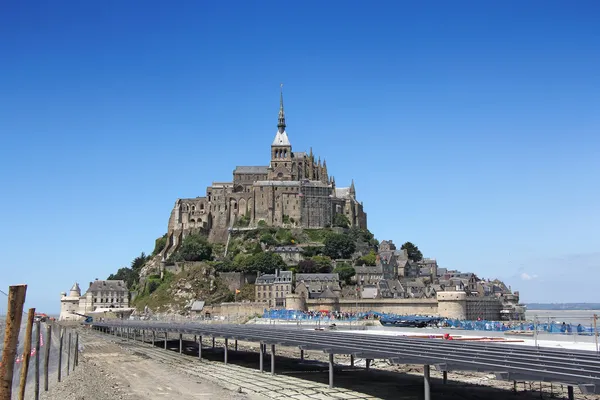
(69, 354)
(47, 355)
(38, 334)
(76, 357)
(14, 314)
(26, 353)
(60, 352)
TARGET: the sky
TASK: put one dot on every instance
(470, 128)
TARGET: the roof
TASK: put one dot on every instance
(287, 249)
(342, 192)
(317, 277)
(250, 170)
(326, 294)
(281, 139)
(197, 305)
(108, 285)
(284, 276)
(364, 269)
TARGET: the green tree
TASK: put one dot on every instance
(310, 251)
(139, 262)
(345, 271)
(413, 251)
(265, 263)
(268, 239)
(159, 244)
(307, 267)
(125, 274)
(322, 264)
(339, 246)
(340, 220)
(370, 259)
(194, 247)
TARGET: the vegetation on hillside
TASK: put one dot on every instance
(413, 251)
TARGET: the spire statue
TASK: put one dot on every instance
(281, 120)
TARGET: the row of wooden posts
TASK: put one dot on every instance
(16, 300)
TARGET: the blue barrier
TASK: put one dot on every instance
(483, 325)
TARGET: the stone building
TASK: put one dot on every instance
(294, 190)
(313, 285)
(101, 296)
(272, 289)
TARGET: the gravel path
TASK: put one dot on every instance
(106, 372)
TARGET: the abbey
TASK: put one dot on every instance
(294, 190)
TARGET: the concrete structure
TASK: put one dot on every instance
(101, 296)
(294, 190)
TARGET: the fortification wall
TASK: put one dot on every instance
(235, 310)
(395, 306)
(235, 280)
(452, 304)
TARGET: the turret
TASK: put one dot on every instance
(352, 189)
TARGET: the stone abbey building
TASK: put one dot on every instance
(294, 190)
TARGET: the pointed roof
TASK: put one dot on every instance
(352, 188)
(281, 138)
(281, 120)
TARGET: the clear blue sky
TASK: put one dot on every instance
(470, 128)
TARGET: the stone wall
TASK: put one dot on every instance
(395, 306)
(235, 280)
(235, 310)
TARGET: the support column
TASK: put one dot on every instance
(261, 357)
(225, 349)
(445, 377)
(200, 348)
(153, 337)
(570, 393)
(367, 363)
(166, 336)
(213, 342)
(236, 346)
(331, 370)
(143, 336)
(352, 360)
(301, 355)
(272, 359)
(426, 374)
(180, 343)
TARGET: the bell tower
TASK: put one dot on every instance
(281, 149)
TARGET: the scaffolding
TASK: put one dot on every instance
(316, 204)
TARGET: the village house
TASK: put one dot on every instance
(272, 289)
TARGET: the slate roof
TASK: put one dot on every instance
(317, 277)
(250, 170)
(284, 276)
(281, 139)
(287, 249)
(364, 269)
(326, 294)
(108, 285)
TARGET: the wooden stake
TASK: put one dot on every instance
(76, 358)
(60, 352)
(69, 354)
(14, 314)
(38, 335)
(47, 354)
(26, 353)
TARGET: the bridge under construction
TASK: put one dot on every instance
(507, 362)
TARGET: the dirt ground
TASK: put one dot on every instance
(106, 372)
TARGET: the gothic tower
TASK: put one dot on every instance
(281, 150)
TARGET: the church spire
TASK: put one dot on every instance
(281, 121)
(352, 188)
